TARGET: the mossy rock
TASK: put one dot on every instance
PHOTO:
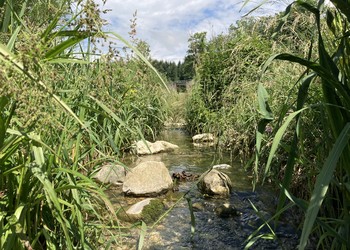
(148, 213)
(152, 211)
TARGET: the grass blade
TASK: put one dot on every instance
(52, 53)
(322, 183)
(139, 54)
(193, 219)
(278, 138)
(142, 235)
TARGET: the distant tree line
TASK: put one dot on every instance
(175, 71)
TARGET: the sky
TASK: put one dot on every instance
(166, 25)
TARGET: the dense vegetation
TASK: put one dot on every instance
(276, 90)
(273, 89)
(66, 108)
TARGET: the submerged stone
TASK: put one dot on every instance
(198, 206)
(135, 211)
(152, 211)
(227, 210)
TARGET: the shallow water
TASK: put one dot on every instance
(212, 231)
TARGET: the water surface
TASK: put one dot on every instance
(212, 231)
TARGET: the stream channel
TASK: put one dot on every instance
(213, 231)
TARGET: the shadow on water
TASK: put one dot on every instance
(211, 230)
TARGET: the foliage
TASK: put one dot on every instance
(227, 76)
(326, 214)
(65, 109)
(302, 112)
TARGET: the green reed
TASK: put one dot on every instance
(327, 211)
(62, 116)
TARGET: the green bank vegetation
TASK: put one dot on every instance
(66, 108)
(276, 90)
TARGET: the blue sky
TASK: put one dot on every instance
(167, 25)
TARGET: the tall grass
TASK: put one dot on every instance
(301, 137)
(327, 211)
(62, 116)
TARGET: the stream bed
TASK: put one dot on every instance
(212, 231)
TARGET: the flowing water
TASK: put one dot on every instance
(212, 231)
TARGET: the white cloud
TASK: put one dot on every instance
(167, 25)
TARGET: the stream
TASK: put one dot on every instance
(212, 231)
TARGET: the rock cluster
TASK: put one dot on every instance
(150, 177)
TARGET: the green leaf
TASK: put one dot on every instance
(54, 203)
(67, 60)
(38, 153)
(57, 50)
(111, 113)
(320, 70)
(193, 219)
(3, 102)
(322, 183)
(264, 108)
(343, 6)
(278, 138)
(288, 174)
(11, 42)
(142, 235)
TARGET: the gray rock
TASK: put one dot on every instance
(200, 138)
(149, 178)
(111, 174)
(135, 211)
(146, 147)
(215, 182)
(221, 166)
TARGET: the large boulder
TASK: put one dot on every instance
(149, 178)
(201, 138)
(215, 182)
(111, 174)
(146, 147)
